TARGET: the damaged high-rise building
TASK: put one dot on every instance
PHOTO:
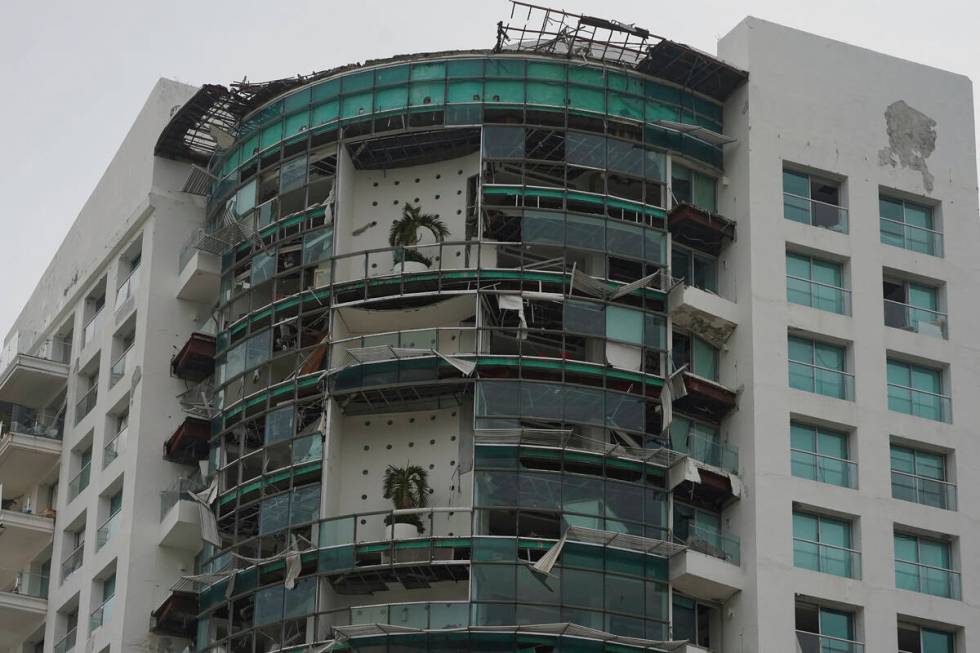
(586, 341)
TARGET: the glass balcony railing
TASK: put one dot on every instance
(79, 482)
(55, 349)
(927, 579)
(814, 212)
(712, 542)
(108, 528)
(113, 448)
(814, 643)
(178, 492)
(85, 405)
(72, 562)
(39, 423)
(911, 237)
(823, 468)
(91, 327)
(431, 615)
(118, 369)
(927, 491)
(128, 288)
(826, 558)
(67, 643)
(821, 296)
(921, 403)
(707, 450)
(912, 318)
(101, 615)
(821, 380)
(28, 584)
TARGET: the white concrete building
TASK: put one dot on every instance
(675, 353)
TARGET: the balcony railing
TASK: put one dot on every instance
(921, 403)
(79, 482)
(118, 369)
(113, 448)
(911, 237)
(72, 562)
(39, 423)
(823, 468)
(927, 579)
(85, 405)
(927, 491)
(822, 296)
(27, 584)
(821, 380)
(814, 212)
(91, 327)
(814, 643)
(708, 450)
(713, 542)
(826, 558)
(429, 615)
(55, 349)
(67, 643)
(913, 318)
(178, 492)
(128, 288)
(101, 615)
(108, 528)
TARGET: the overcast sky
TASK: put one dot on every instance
(75, 73)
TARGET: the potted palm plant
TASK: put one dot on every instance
(407, 487)
(405, 234)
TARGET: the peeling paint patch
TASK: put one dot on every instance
(911, 139)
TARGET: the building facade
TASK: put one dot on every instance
(587, 342)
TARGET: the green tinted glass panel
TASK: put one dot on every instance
(356, 105)
(325, 113)
(271, 135)
(296, 123)
(624, 324)
(391, 99)
(394, 75)
(586, 99)
(510, 92)
(465, 68)
(796, 184)
(427, 93)
(586, 75)
(435, 70)
(465, 91)
(357, 82)
(550, 94)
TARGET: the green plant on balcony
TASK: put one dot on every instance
(404, 234)
(408, 488)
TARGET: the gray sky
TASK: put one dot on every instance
(74, 74)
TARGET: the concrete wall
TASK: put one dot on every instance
(821, 104)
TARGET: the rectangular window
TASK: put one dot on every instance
(814, 201)
(917, 390)
(700, 357)
(693, 187)
(816, 283)
(909, 226)
(917, 639)
(822, 455)
(925, 565)
(913, 307)
(920, 477)
(820, 368)
(824, 544)
(822, 630)
(697, 269)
